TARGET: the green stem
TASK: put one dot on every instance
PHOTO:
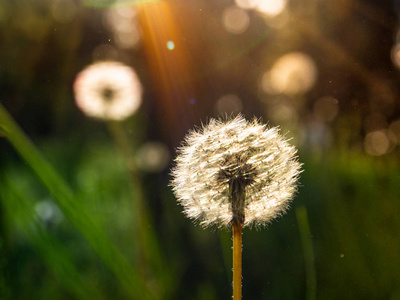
(149, 252)
(306, 241)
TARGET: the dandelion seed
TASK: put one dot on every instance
(235, 172)
(108, 90)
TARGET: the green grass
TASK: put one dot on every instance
(340, 239)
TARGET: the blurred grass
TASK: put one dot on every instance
(352, 204)
(306, 240)
(58, 258)
(74, 210)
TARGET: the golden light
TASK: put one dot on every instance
(271, 8)
(235, 20)
(170, 71)
(293, 73)
(247, 4)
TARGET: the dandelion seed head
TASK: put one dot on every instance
(245, 154)
(108, 90)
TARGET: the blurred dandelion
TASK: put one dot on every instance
(111, 91)
(108, 90)
(238, 173)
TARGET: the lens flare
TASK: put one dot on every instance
(170, 45)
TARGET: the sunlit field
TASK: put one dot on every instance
(117, 182)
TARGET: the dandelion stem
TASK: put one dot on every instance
(149, 255)
(237, 196)
(237, 260)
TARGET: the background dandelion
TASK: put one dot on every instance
(108, 90)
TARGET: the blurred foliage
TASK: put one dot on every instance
(351, 201)
(348, 200)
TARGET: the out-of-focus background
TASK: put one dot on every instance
(93, 215)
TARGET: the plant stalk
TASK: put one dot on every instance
(237, 260)
(237, 197)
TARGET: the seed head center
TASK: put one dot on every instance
(108, 94)
(236, 169)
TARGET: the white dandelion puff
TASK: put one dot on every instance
(235, 171)
(108, 90)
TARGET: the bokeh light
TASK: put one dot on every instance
(229, 104)
(317, 136)
(395, 54)
(49, 212)
(271, 8)
(247, 4)
(377, 143)
(282, 112)
(235, 20)
(153, 157)
(394, 131)
(326, 108)
(64, 11)
(170, 45)
(123, 23)
(293, 73)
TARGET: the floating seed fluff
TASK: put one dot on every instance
(235, 156)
